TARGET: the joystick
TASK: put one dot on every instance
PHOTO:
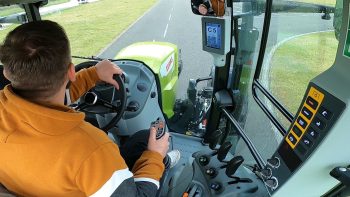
(160, 128)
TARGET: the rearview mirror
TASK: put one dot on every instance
(208, 7)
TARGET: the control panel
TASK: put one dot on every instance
(224, 177)
(315, 118)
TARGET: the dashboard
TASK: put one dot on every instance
(142, 106)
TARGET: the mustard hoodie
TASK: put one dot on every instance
(52, 151)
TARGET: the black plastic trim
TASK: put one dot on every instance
(32, 11)
(264, 38)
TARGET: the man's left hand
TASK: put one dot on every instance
(105, 71)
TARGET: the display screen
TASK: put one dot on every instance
(213, 32)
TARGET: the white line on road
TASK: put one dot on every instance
(166, 30)
(170, 17)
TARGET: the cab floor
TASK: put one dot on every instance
(187, 145)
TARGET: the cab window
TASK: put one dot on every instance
(302, 44)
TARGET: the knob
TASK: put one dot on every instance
(267, 173)
(223, 150)
(133, 106)
(211, 172)
(153, 94)
(272, 182)
(203, 160)
(274, 162)
(215, 186)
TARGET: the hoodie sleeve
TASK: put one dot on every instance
(85, 80)
(104, 173)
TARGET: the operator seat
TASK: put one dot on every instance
(3, 80)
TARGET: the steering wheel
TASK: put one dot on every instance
(98, 100)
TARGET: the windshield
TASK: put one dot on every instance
(302, 43)
(104, 27)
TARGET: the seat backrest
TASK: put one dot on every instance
(3, 80)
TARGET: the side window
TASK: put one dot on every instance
(302, 44)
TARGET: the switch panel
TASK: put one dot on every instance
(314, 120)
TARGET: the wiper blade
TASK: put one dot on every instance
(92, 58)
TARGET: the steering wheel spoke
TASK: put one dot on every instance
(94, 102)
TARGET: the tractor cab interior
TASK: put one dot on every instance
(220, 127)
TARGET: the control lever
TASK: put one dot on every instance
(233, 165)
(223, 151)
(133, 106)
(214, 138)
(342, 174)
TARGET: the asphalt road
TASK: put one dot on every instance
(172, 21)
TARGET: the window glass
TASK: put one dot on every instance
(103, 28)
(302, 43)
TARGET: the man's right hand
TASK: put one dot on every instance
(161, 145)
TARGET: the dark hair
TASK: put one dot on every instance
(36, 57)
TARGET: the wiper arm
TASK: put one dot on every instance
(95, 58)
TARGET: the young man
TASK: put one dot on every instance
(46, 148)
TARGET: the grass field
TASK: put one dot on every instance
(92, 26)
(321, 2)
(15, 9)
(296, 62)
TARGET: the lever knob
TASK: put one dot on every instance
(233, 165)
(267, 172)
(223, 150)
(133, 106)
(274, 162)
(272, 182)
(203, 160)
(211, 172)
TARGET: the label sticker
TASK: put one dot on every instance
(167, 66)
